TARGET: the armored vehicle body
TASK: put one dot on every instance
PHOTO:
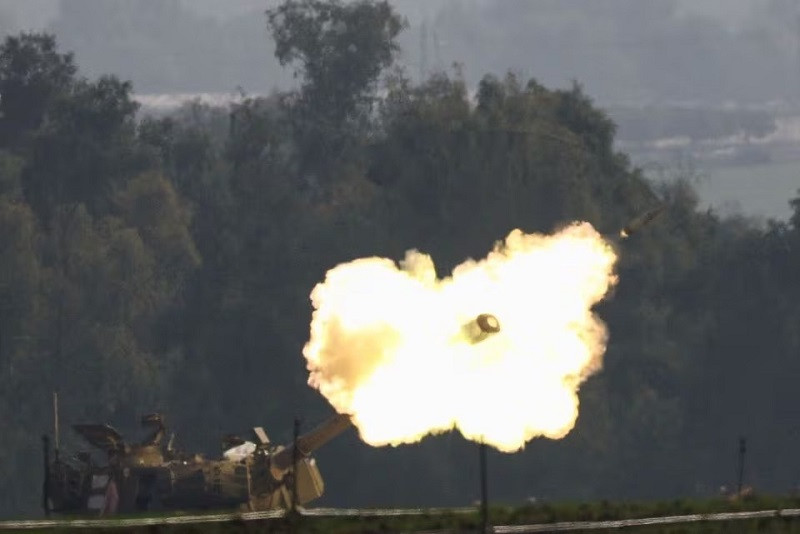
(153, 475)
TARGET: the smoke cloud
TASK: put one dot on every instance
(390, 344)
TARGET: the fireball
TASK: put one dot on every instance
(497, 350)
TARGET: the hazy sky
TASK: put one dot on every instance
(710, 52)
(733, 13)
(31, 14)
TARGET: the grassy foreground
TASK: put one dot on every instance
(506, 515)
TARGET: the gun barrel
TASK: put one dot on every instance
(311, 441)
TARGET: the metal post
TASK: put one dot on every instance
(295, 459)
(742, 451)
(55, 423)
(484, 490)
(46, 485)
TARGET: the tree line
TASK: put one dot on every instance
(166, 263)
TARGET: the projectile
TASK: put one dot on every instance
(488, 323)
(639, 222)
(483, 326)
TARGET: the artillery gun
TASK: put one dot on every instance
(152, 475)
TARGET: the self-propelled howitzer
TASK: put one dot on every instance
(153, 475)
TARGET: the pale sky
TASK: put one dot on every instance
(33, 14)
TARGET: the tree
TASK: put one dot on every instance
(795, 219)
(21, 278)
(32, 74)
(95, 255)
(339, 50)
(87, 149)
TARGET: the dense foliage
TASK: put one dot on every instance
(165, 264)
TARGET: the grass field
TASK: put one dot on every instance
(530, 514)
